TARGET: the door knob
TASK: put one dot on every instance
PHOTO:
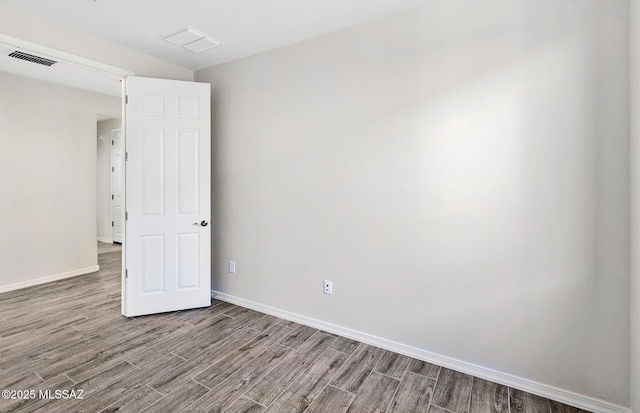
(202, 224)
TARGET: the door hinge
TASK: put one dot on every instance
(126, 216)
(111, 223)
(113, 169)
(126, 99)
(126, 156)
(111, 143)
(111, 196)
(126, 273)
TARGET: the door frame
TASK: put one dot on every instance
(113, 183)
(123, 267)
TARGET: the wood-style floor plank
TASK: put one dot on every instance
(489, 397)
(88, 354)
(223, 395)
(346, 345)
(135, 402)
(129, 384)
(298, 336)
(288, 323)
(24, 380)
(413, 395)
(436, 409)
(208, 335)
(358, 368)
(557, 407)
(244, 314)
(392, 364)
(206, 314)
(165, 345)
(453, 391)
(92, 386)
(289, 371)
(120, 352)
(297, 397)
(522, 402)
(375, 395)
(61, 382)
(177, 400)
(188, 370)
(244, 405)
(31, 405)
(264, 322)
(423, 368)
(331, 399)
(220, 371)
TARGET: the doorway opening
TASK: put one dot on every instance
(109, 182)
(117, 185)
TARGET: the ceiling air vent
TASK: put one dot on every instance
(33, 59)
(192, 40)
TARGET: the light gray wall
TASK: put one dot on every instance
(48, 178)
(103, 190)
(634, 52)
(23, 25)
(460, 172)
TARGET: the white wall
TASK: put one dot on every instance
(48, 178)
(18, 23)
(634, 52)
(103, 190)
(460, 172)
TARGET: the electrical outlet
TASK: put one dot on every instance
(232, 267)
(328, 287)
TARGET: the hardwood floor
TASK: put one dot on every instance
(69, 335)
(108, 247)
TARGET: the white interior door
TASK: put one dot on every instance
(117, 183)
(168, 239)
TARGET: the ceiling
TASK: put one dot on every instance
(246, 27)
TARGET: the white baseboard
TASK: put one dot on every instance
(544, 390)
(48, 279)
(105, 240)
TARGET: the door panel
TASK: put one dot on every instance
(188, 171)
(167, 251)
(188, 246)
(153, 171)
(152, 272)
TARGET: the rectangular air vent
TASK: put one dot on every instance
(192, 40)
(33, 59)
